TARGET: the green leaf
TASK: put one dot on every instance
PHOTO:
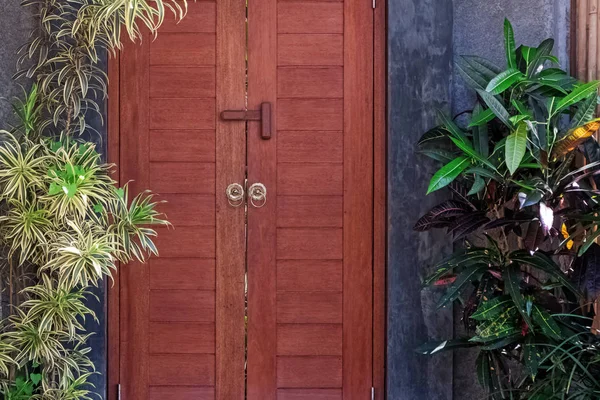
(532, 357)
(504, 80)
(516, 145)
(448, 173)
(578, 94)
(512, 285)
(451, 127)
(35, 378)
(484, 370)
(482, 118)
(497, 107)
(472, 77)
(501, 343)
(433, 135)
(528, 53)
(585, 112)
(545, 264)
(492, 308)
(55, 188)
(470, 151)
(477, 187)
(485, 67)
(544, 320)
(486, 173)
(481, 134)
(466, 276)
(543, 53)
(509, 44)
(445, 345)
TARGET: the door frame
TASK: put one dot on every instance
(379, 209)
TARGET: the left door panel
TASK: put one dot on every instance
(182, 314)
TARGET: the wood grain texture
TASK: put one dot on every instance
(182, 177)
(309, 340)
(181, 338)
(309, 211)
(183, 49)
(309, 243)
(309, 394)
(134, 296)
(310, 115)
(182, 273)
(309, 372)
(230, 233)
(310, 17)
(310, 147)
(177, 114)
(181, 393)
(309, 275)
(358, 200)
(182, 369)
(201, 17)
(182, 145)
(311, 308)
(188, 209)
(182, 82)
(310, 49)
(182, 305)
(262, 222)
(186, 242)
(310, 82)
(310, 179)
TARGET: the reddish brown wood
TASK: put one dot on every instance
(308, 146)
(182, 273)
(188, 209)
(187, 242)
(177, 114)
(182, 82)
(230, 239)
(309, 394)
(309, 372)
(310, 18)
(310, 115)
(262, 231)
(310, 49)
(201, 17)
(310, 179)
(309, 308)
(309, 339)
(181, 393)
(310, 82)
(309, 275)
(309, 211)
(182, 369)
(185, 49)
(172, 177)
(182, 305)
(182, 338)
(309, 243)
(380, 199)
(358, 200)
(182, 145)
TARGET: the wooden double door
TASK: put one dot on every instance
(271, 302)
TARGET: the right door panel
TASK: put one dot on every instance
(310, 247)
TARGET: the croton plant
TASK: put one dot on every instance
(524, 170)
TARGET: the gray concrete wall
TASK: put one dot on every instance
(424, 36)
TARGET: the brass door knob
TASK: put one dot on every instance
(258, 195)
(235, 194)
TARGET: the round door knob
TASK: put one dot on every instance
(258, 195)
(235, 194)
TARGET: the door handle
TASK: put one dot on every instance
(263, 115)
(257, 193)
(235, 194)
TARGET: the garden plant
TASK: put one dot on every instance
(523, 168)
(64, 224)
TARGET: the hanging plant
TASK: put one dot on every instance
(523, 167)
(64, 224)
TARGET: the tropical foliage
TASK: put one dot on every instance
(64, 224)
(523, 167)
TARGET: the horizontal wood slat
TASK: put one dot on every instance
(309, 243)
(310, 147)
(310, 179)
(181, 338)
(182, 306)
(182, 177)
(177, 114)
(182, 369)
(310, 82)
(309, 211)
(309, 308)
(310, 49)
(309, 275)
(186, 242)
(189, 49)
(182, 145)
(201, 17)
(188, 209)
(310, 17)
(309, 372)
(182, 273)
(309, 394)
(178, 82)
(309, 340)
(184, 393)
(310, 115)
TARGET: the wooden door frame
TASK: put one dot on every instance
(379, 210)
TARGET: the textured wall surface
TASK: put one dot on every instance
(424, 36)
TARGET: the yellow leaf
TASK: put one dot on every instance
(565, 234)
(574, 138)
